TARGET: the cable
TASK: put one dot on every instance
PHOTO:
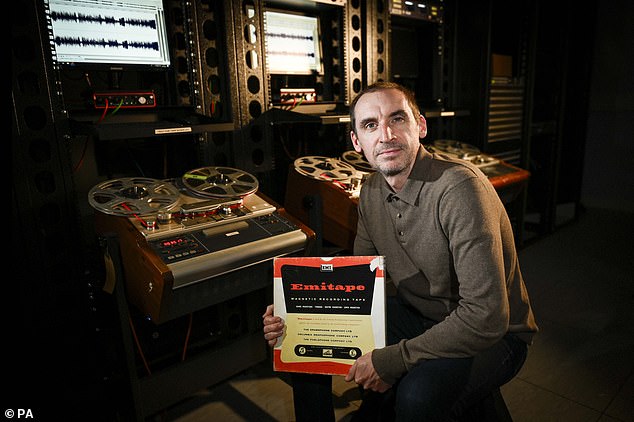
(189, 330)
(301, 100)
(118, 107)
(82, 157)
(87, 79)
(105, 111)
(138, 345)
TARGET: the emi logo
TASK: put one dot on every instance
(326, 268)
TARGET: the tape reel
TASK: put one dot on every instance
(357, 160)
(220, 182)
(324, 168)
(455, 147)
(133, 196)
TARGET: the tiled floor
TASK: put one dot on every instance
(580, 367)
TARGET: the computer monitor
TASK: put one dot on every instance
(293, 43)
(108, 34)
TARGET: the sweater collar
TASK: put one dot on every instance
(415, 181)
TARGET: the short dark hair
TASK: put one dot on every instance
(379, 86)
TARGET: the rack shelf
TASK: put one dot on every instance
(142, 124)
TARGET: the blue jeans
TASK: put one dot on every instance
(435, 390)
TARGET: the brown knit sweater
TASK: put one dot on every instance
(449, 250)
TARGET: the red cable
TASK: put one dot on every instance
(105, 111)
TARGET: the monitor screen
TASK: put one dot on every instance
(108, 32)
(293, 44)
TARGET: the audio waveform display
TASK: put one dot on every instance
(108, 20)
(89, 42)
(108, 32)
(293, 45)
(286, 53)
(274, 36)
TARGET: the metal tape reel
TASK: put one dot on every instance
(455, 147)
(357, 160)
(220, 182)
(133, 196)
(324, 168)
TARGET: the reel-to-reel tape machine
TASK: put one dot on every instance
(323, 193)
(180, 232)
(507, 179)
(463, 151)
(346, 174)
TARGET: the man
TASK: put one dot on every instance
(460, 323)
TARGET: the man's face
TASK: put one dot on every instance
(387, 131)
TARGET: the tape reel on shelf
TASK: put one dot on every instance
(129, 196)
(324, 168)
(220, 182)
(357, 160)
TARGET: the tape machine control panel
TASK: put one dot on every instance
(202, 241)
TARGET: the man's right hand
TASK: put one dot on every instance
(273, 326)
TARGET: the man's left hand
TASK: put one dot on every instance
(362, 372)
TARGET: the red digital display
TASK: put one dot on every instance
(172, 242)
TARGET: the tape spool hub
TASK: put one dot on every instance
(220, 182)
(129, 196)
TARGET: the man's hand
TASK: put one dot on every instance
(273, 326)
(362, 372)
